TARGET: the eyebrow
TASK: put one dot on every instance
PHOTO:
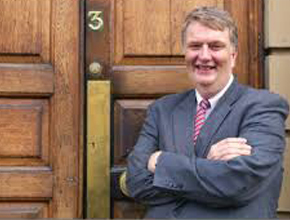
(209, 43)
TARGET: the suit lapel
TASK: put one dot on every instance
(210, 127)
(216, 118)
(182, 119)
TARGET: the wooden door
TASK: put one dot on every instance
(40, 109)
(140, 51)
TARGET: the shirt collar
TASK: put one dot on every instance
(213, 100)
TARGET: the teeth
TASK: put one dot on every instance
(205, 67)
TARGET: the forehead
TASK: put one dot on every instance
(197, 31)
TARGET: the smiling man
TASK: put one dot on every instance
(210, 58)
(214, 151)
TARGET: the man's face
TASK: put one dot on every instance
(210, 57)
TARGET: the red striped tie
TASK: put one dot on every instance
(199, 120)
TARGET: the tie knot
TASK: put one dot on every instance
(204, 104)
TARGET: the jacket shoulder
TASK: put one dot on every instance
(255, 98)
(264, 96)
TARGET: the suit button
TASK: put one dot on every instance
(172, 185)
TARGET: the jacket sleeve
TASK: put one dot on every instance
(235, 182)
(139, 179)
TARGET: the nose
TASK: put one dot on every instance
(204, 53)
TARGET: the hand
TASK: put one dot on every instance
(153, 161)
(229, 148)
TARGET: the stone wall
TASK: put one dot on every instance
(277, 70)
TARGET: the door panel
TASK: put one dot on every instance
(151, 81)
(24, 22)
(27, 210)
(128, 116)
(26, 182)
(156, 25)
(141, 54)
(40, 98)
(137, 27)
(24, 132)
(36, 79)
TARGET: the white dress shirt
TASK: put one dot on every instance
(214, 100)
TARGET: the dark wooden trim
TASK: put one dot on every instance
(82, 126)
(256, 43)
(98, 42)
(253, 13)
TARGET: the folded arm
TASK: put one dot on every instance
(139, 179)
(225, 177)
(237, 181)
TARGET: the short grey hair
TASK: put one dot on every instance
(213, 18)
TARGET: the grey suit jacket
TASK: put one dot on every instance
(185, 183)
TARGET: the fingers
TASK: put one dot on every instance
(153, 160)
(229, 157)
(230, 151)
(229, 148)
(232, 140)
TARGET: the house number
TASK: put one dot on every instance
(96, 21)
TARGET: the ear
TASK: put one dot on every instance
(234, 58)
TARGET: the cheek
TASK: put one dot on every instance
(224, 61)
(190, 56)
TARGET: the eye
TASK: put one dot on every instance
(195, 46)
(216, 46)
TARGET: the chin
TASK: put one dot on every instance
(205, 80)
(204, 83)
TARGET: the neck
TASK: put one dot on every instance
(209, 91)
(206, 93)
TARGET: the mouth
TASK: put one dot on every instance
(205, 67)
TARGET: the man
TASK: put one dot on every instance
(215, 151)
